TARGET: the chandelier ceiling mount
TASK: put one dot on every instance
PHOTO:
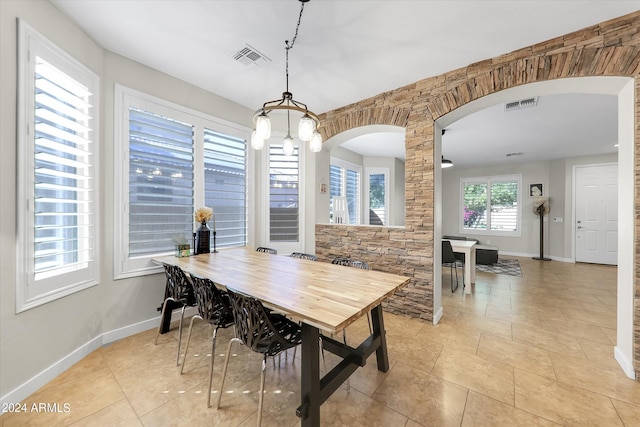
(309, 122)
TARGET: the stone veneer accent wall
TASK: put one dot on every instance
(611, 48)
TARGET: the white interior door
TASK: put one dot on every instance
(596, 219)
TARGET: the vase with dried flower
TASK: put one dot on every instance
(202, 236)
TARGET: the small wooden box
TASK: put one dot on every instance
(183, 250)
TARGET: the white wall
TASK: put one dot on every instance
(38, 344)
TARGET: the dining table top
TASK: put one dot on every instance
(327, 296)
(461, 243)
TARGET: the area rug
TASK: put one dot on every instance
(503, 266)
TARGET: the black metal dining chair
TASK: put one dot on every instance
(178, 295)
(349, 262)
(214, 307)
(267, 250)
(449, 258)
(302, 255)
(459, 256)
(263, 332)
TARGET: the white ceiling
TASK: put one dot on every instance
(349, 50)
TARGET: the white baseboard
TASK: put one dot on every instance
(33, 384)
(526, 255)
(624, 363)
(127, 331)
(437, 316)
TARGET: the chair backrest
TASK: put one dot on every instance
(302, 255)
(341, 261)
(348, 262)
(255, 328)
(178, 285)
(212, 303)
(359, 264)
(267, 250)
(447, 253)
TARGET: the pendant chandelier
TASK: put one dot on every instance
(308, 124)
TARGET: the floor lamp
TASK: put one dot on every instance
(541, 208)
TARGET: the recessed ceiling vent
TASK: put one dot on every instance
(249, 55)
(519, 153)
(519, 105)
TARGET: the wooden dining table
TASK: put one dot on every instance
(322, 296)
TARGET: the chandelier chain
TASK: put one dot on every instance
(290, 46)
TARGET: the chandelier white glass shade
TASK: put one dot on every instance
(315, 145)
(257, 143)
(287, 145)
(263, 126)
(308, 124)
(306, 127)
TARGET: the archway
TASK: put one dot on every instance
(623, 89)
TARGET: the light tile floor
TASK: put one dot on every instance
(530, 350)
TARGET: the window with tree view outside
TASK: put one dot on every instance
(491, 205)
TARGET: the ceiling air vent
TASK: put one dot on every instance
(523, 103)
(249, 55)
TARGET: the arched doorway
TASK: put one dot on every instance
(623, 89)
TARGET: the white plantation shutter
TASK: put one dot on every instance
(225, 182)
(161, 195)
(58, 221)
(352, 191)
(169, 161)
(63, 204)
(345, 181)
(335, 186)
(283, 195)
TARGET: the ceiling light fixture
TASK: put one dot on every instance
(446, 163)
(308, 125)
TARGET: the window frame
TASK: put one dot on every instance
(32, 292)
(489, 180)
(125, 97)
